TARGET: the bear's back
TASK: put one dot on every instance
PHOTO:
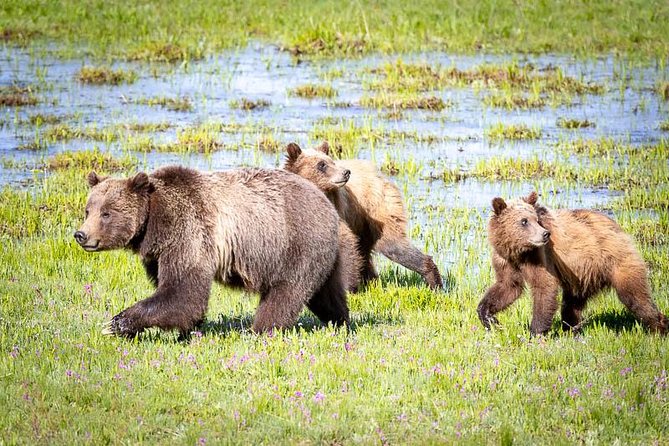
(280, 224)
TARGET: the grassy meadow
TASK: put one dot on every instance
(457, 102)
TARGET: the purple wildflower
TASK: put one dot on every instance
(319, 397)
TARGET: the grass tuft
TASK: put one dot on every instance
(180, 104)
(517, 132)
(105, 75)
(664, 126)
(432, 103)
(90, 160)
(310, 91)
(250, 104)
(15, 96)
(567, 123)
(663, 90)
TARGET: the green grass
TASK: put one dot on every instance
(423, 76)
(614, 166)
(197, 139)
(416, 368)
(92, 160)
(170, 32)
(64, 132)
(500, 132)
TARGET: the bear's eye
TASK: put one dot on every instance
(321, 166)
(105, 215)
(86, 213)
(523, 222)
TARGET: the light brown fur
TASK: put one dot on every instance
(369, 203)
(580, 251)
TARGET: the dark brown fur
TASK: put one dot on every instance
(267, 231)
(370, 205)
(580, 251)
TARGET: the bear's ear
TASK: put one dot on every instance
(498, 205)
(532, 198)
(324, 148)
(93, 179)
(293, 151)
(141, 183)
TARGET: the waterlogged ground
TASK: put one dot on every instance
(452, 131)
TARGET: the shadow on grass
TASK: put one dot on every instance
(226, 324)
(405, 278)
(617, 321)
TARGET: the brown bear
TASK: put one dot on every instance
(369, 204)
(580, 251)
(268, 231)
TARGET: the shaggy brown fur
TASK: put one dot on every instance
(369, 204)
(350, 259)
(267, 231)
(580, 251)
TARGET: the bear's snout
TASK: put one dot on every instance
(347, 174)
(546, 235)
(80, 237)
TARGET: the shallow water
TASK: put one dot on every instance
(262, 72)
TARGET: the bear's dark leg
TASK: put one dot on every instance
(279, 308)
(572, 307)
(329, 303)
(368, 272)
(403, 252)
(179, 302)
(499, 297)
(633, 291)
(544, 289)
(151, 268)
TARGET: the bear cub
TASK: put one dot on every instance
(267, 231)
(369, 204)
(581, 252)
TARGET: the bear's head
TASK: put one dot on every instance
(316, 166)
(116, 211)
(515, 228)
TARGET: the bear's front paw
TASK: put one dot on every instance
(487, 319)
(121, 325)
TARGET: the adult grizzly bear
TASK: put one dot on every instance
(267, 231)
(369, 204)
(580, 251)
